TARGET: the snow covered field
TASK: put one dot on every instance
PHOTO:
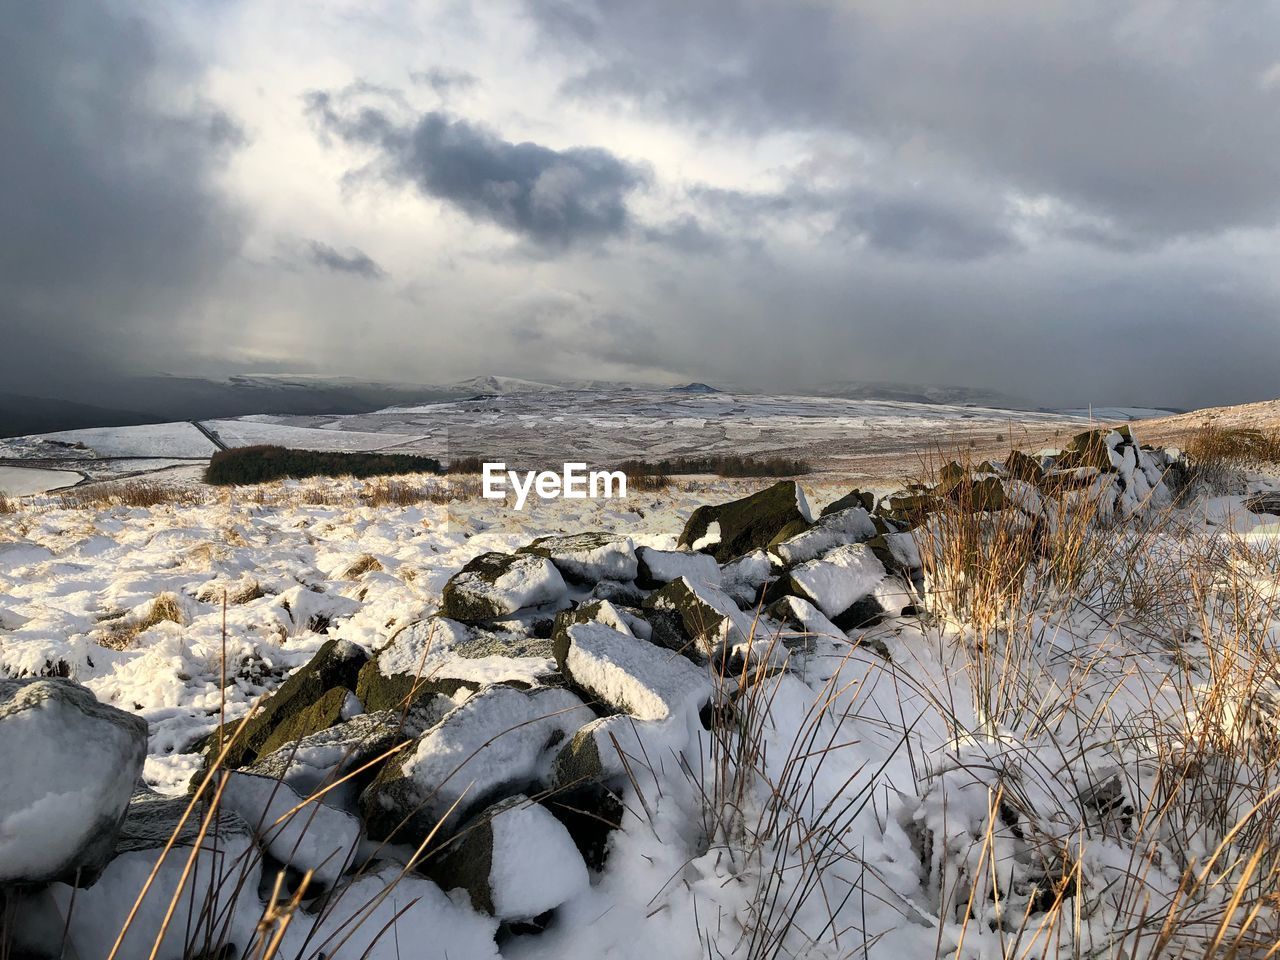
(21, 481)
(909, 789)
(868, 437)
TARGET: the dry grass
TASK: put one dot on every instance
(7, 506)
(121, 632)
(133, 493)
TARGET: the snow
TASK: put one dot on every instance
(21, 481)
(308, 836)
(69, 769)
(667, 565)
(499, 736)
(399, 915)
(710, 537)
(582, 558)
(646, 681)
(840, 578)
(173, 440)
(535, 865)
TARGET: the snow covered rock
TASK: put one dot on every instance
(516, 862)
(658, 567)
(744, 578)
(374, 924)
(802, 622)
(495, 585)
(301, 609)
(632, 676)
(852, 525)
(313, 698)
(746, 524)
(68, 765)
(626, 620)
(838, 579)
(437, 655)
(704, 619)
(501, 739)
(588, 557)
(220, 895)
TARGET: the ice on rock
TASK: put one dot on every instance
(634, 676)
(68, 765)
(840, 578)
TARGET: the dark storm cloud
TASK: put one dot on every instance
(1161, 116)
(353, 261)
(926, 227)
(110, 222)
(554, 198)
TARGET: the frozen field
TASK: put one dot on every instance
(21, 481)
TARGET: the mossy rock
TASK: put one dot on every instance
(749, 523)
(1021, 466)
(376, 691)
(985, 494)
(693, 627)
(792, 529)
(321, 715)
(475, 592)
(1087, 449)
(335, 667)
(854, 498)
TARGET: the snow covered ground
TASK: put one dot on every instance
(21, 481)
(889, 802)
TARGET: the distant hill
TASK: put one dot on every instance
(695, 387)
(21, 415)
(918, 393)
(500, 385)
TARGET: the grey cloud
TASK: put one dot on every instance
(922, 226)
(554, 198)
(1155, 115)
(444, 81)
(112, 223)
(353, 261)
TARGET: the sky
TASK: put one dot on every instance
(1071, 202)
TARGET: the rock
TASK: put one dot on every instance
(1020, 466)
(496, 585)
(300, 832)
(909, 507)
(599, 753)
(854, 498)
(437, 656)
(853, 525)
(985, 494)
(500, 739)
(630, 675)
(744, 578)
(747, 524)
(310, 700)
(68, 765)
(659, 567)
(628, 621)
(1088, 449)
(516, 861)
(839, 579)
(588, 557)
(706, 618)
(219, 900)
(1268, 503)
(628, 594)
(802, 623)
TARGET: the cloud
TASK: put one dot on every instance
(553, 198)
(353, 261)
(1148, 113)
(112, 219)
(444, 81)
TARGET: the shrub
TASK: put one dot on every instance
(262, 463)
